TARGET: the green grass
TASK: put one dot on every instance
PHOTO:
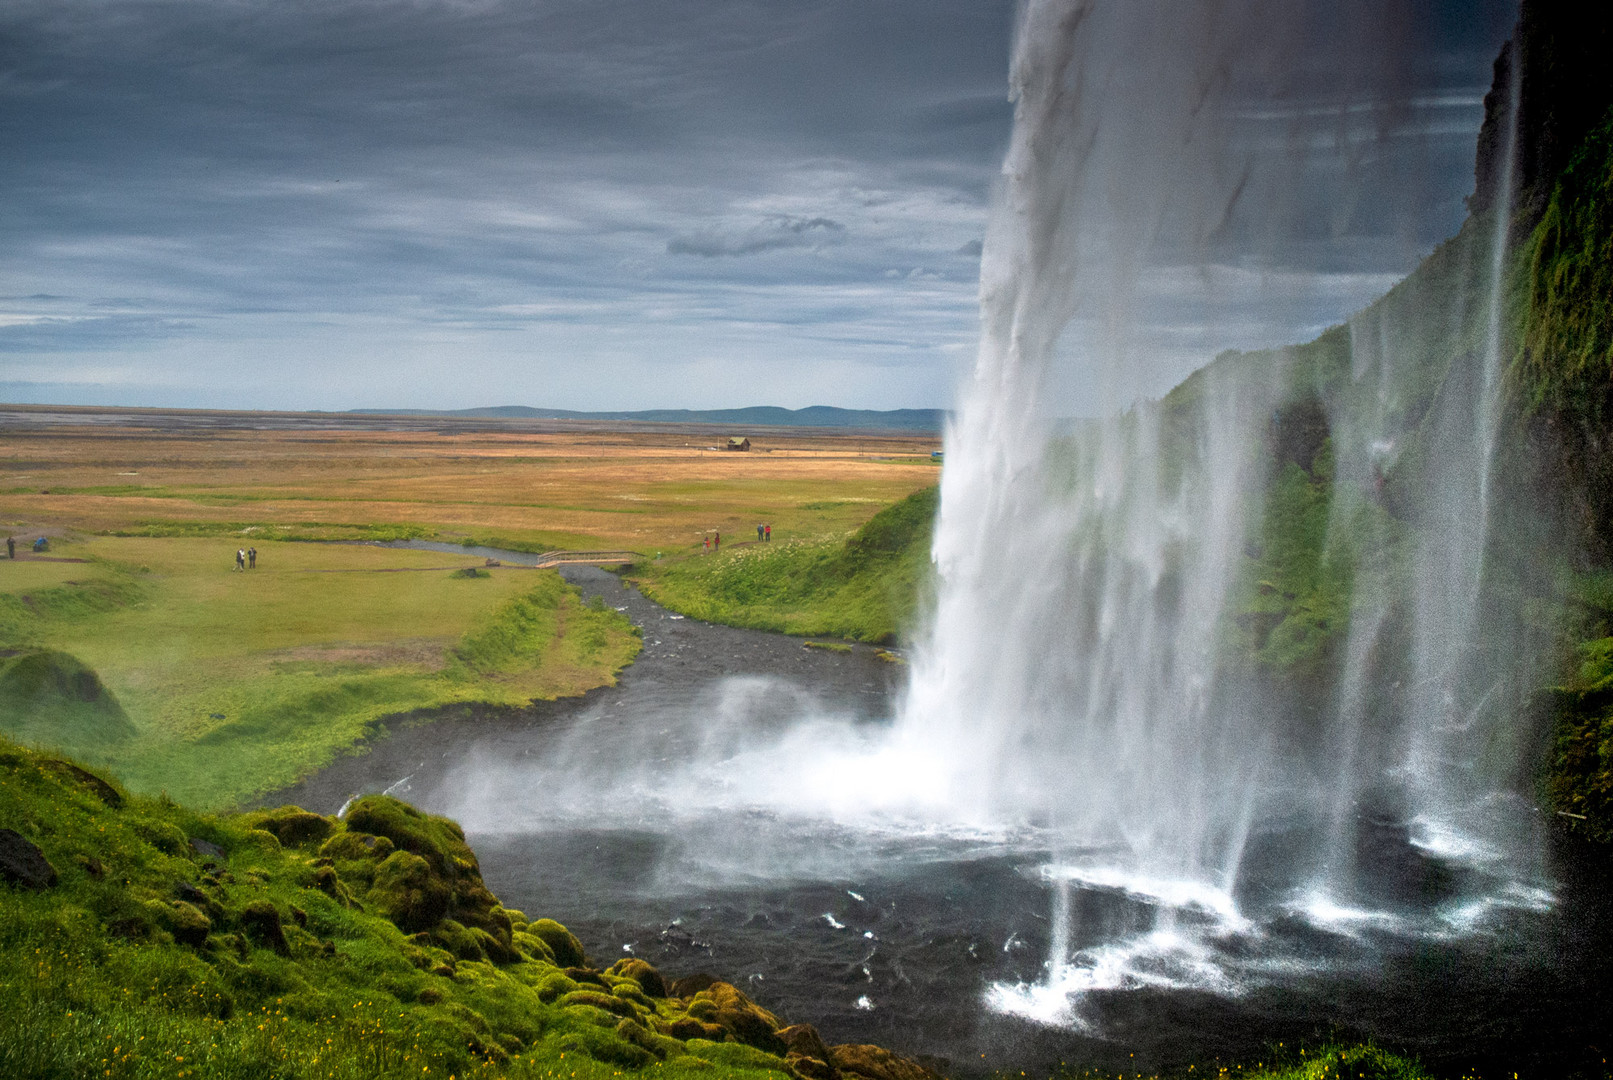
(238, 683)
(865, 587)
(287, 956)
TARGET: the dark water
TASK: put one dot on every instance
(895, 937)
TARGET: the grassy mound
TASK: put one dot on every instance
(164, 942)
(49, 698)
(866, 587)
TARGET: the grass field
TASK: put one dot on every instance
(239, 682)
(644, 491)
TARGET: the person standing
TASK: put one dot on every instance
(758, 534)
(706, 543)
(716, 542)
(769, 535)
(11, 547)
(240, 558)
(252, 558)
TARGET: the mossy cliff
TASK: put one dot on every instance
(1360, 443)
(141, 939)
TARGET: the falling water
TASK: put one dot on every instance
(1076, 678)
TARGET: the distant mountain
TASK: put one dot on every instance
(826, 416)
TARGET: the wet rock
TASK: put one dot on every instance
(261, 921)
(88, 780)
(643, 973)
(877, 1063)
(21, 863)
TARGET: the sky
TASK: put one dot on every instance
(624, 204)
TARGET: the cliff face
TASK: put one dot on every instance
(1563, 92)
(1423, 426)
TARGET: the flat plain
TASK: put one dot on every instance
(531, 485)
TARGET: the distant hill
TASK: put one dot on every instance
(756, 416)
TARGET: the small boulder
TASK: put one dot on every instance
(689, 1027)
(261, 921)
(207, 849)
(562, 942)
(643, 973)
(812, 1068)
(804, 1039)
(188, 924)
(690, 985)
(877, 1063)
(21, 863)
(587, 975)
(293, 826)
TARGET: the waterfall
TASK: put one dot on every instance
(1079, 676)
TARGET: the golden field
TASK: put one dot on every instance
(637, 487)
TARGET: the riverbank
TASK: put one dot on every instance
(157, 658)
(869, 585)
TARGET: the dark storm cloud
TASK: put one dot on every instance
(766, 198)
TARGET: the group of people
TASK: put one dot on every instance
(42, 544)
(764, 533)
(246, 558)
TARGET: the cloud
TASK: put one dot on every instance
(769, 236)
(573, 198)
(47, 334)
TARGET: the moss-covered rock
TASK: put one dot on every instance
(406, 891)
(188, 924)
(293, 826)
(876, 1063)
(643, 973)
(609, 1002)
(562, 943)
(737, 1055)
(260, 921)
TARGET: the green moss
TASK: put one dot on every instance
(562, 943)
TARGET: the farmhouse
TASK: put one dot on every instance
(736, 442)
